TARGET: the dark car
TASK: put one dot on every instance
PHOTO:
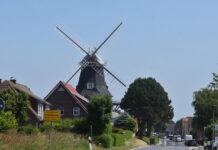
(190, 142)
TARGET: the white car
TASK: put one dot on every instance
(178, 139)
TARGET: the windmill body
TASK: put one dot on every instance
(92, 78)
(92, 67)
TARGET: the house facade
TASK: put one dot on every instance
(65, 98)
(37, 105)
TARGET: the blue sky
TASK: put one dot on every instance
(176, 42)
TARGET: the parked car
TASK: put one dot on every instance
(178, 139)
(189, 141)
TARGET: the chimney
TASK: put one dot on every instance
(13, 80)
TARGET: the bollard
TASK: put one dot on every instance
(90, 143)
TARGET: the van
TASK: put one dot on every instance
(189, 141)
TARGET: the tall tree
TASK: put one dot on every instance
(148, 102)
(17, 103)
(214, 84)
(206, 104)
(100, 112)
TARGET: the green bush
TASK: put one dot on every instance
(156, 140)
(131, 124)
(108, 129)
(7, 121)
(29, 129)
(200, 141)
(81, 126)
(146, 139)
(64, 125)
(118, 130)
(119, 139)
(105, 140)
(128, 134)
(45, 127)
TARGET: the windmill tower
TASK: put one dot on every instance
(92, 67)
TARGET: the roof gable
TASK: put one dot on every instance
(20, 88)
(73, 93)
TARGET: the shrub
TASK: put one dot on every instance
(7, 121)
(131, 124)
(120, 122)
(29, 129)
(105, 140)
(45, 126)
(64, 125)
(146, 139)
(119, 139)
(118, 130)
(108, 129)
(80, 125)
(128, 134)
(156, 141)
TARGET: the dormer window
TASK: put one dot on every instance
(90, 85)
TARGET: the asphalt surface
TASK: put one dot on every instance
(167, 144)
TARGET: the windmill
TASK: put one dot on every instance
(92, 67)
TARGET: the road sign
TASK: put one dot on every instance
(52, 115)
(2, 104)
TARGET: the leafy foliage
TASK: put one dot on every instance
(209, 132)
(76, 125)
(126, 122)
(119, 139)
(205, 104)
(17, 103)
(148, 102)
(29, 129)
(214, 84)
(105, 140)
(7, 121)
(99, 108)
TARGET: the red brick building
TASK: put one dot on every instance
(65, 98)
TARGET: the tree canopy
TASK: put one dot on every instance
(206, 104)
(17, 103)
(146, 100)
(100, 113)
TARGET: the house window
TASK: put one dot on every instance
(40, 107)
(90, 85)
(61, 109)
(76, 111)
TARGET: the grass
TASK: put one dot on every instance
(60, 141)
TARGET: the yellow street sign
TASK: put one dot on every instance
(52, 115)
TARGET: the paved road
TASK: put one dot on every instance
(169, 145)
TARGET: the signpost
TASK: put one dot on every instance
(2, 104)
(52, 116)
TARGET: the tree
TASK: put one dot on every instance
(147, 101)
(17, 103)
(99, 113)
(126, 122)
(206, 106)
(214, 84)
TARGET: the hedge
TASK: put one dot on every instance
(105, 140)
(119, 139)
